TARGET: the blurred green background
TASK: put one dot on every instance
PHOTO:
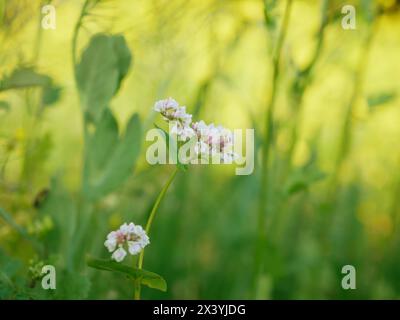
(332, 178)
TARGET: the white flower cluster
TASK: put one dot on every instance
(131, 236)
(211, 140)
(176, 115)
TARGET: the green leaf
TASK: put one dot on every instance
(102, 144)
(119, 163)
(302, 179)
(379, 99)
(168, 138)
(51, 94)
(103, 65)
(22, 78)
(150, 279)
(124, 57)
(4, 105)
(60, 206)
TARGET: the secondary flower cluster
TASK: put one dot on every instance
(129, 236)
(211, 140)
(176, 115)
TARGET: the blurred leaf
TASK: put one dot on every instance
(102, 143)
(150, 279)
(62, 210)
(270, 15)
(39, 153)
(9, 269)
(302, 179)
(381, 98)
(120, 162)
(22, 78)
(124, 57)
(51, 94)
(103, 65)
(4, 105)
(2, 11)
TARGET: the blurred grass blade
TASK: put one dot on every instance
(150, 279)
(9, 219)
(380, 99)
(23, 233)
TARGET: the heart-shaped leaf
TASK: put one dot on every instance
(103, 65)
(148, 278)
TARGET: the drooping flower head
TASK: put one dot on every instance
(129, 237)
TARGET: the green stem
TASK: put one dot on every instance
(346, 132)
(303, 81)
(268, 140)
(149, 224)
(76, 33)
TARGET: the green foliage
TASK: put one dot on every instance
(381, 99)
(51, 94)
(24, 77)
(150, 279)
(4, 105)
(110, 160)
(302, 179)
(99, 74)
(67, 179)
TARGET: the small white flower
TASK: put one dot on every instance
(177, 117)
(111, 243)
(119, 254)
(124, 229)
(166, 104)
(216, 141)
(129, 236)
(134, 247)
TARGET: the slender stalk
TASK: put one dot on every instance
(346, 134)
(267, 143)
(304, 79)
(76, 33)
(149, 224)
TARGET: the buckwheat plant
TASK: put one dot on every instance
(209, 141)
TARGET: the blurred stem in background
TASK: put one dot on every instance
(359, 78)
(148, 227)
(35, 108)
(303, 80)
(345, 136)
(267, 144)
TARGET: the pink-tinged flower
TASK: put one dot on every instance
(129, 236)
